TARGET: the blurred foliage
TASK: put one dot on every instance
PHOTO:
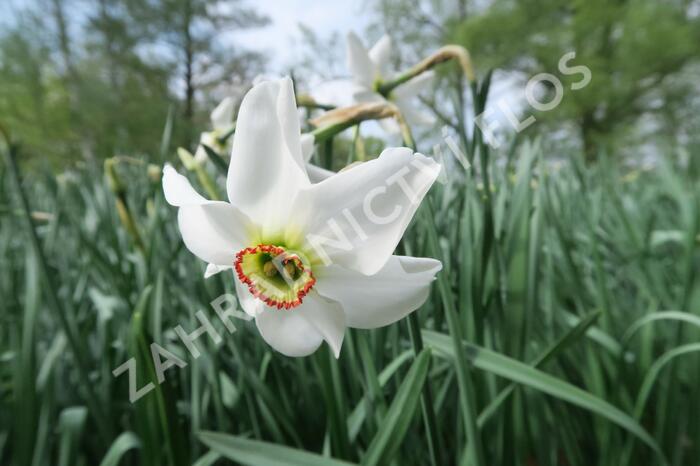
(102, 76)
(643, 55)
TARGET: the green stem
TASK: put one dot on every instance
(206, 182)
(464, 381)
(448, 52)
(358, 147)
(340, 119)
(332, 388)
(327, 159)
(125, 214)
(327, 132)
(427, 405)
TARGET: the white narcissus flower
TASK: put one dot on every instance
(370, 67)
(222, 122)
(309, 259)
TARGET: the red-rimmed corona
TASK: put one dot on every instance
(278, 278)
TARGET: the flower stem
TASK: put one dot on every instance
(446, 53)
(206, 182)
(191, 164)
(125, 214)
(335, 121)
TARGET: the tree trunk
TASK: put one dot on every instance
(63, 38)
(189, 72)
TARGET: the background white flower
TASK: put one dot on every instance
(370, 67)
(222, 122)
(274, 211)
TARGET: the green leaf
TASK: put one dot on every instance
(208, 459)
(566, 340)
(401, 412)
(71, 424)
(125, 442)
(257, 453)
(357, 417)
(519, 372)
(654, 372)
(656, 316)
(156, 415)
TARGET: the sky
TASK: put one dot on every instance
(280, 37)
(280, 40)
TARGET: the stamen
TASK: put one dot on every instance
(270, 269)
(273, 275)
(290, 270)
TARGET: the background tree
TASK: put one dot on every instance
(102, 77)
(637, 50)
(192, 31)
(643, 56)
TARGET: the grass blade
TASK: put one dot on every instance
(257, 453)
(125, 442)
(566, 340)
(519, 372)
(401, 412)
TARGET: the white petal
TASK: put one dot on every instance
(415, 86)
(307, 146)
(288, 332)
(327, 317)
(399, 288)
(213, 269)
(336, 92)
(315, 320)
(252, 306)
(222, 115)
(381, 53)
(178, 190)
(363, 95)
(361, 66)
(317, 174)
(413, 115)
(300, 331)
(214, 231)
(267, 168)
(390, 126)
(357, 217)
